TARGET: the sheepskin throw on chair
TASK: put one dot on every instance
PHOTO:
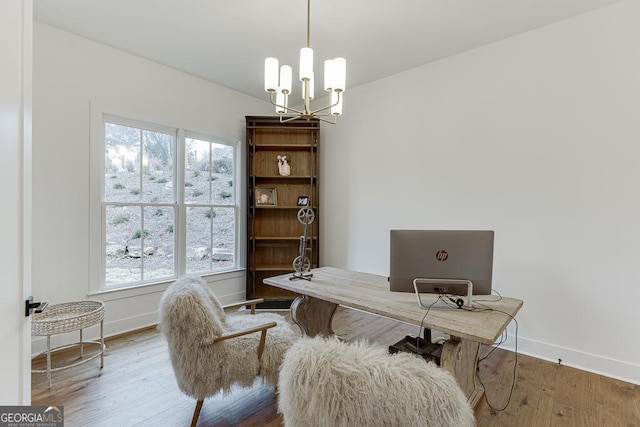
(326, 382)
(205, 358)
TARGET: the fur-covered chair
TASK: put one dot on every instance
(326, 382)
(211, 350)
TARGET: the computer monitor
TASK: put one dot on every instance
(441, 254)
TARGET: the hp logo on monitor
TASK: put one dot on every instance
(442, 255)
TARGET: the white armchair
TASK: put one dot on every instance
(326, 382)
(211, 350)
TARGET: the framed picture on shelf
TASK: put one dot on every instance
(303, 200)
(266, 196)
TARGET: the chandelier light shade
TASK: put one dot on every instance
(285, 79)
(271, 74)
(306, 63)
(278, 83)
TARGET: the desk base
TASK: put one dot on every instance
(313, 315)
(459, 356)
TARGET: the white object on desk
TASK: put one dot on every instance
(442, 290)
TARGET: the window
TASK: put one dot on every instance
(168, 204)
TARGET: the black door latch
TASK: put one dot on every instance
(29, 306)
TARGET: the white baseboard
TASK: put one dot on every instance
(618, 369)
(39, 344)
(119, 326)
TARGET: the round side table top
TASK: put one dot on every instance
(67, 317)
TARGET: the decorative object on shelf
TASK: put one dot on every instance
(303, 200)
(278, 84)
(306, 216)
(301, 264)
(284, 169)
(266, 196)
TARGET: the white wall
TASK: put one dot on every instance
(535, 137)
(16, 17)
(69, 73)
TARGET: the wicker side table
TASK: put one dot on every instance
(69, 317)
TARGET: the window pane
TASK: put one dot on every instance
(223, 186)
(197, 171)
(199, 225)
(122, 163)
(157, 162)
(210, 238)
(123, 262)
(224, 229)
(159, 242)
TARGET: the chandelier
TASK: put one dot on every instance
(278, 82)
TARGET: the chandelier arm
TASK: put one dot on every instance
(332, 122)
(282, 106)
(328, 106)
(321, 109)
(315, 116)
(289, 119)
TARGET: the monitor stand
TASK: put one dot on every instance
(444, 288)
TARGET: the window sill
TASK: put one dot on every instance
(152, 288)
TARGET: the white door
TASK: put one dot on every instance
(16, 38)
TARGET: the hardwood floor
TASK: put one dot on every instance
(137, 387)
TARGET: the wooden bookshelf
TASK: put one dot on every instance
(273, 229)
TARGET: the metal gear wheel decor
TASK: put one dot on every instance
(302, 264)
(306, 216)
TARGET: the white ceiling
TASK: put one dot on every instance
(226, 41)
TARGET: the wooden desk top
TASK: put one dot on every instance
(370, 293)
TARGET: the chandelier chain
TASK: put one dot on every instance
(308, 23)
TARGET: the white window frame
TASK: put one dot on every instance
(97, 224)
